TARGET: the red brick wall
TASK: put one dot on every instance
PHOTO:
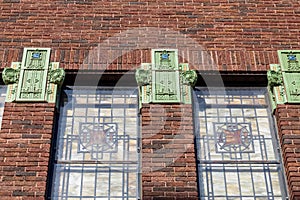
(288, 122)
(238, 35)
(25, 140)
(168, 155)
(229, 35)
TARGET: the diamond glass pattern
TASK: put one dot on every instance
(98, 142)
(237, 154)
(233, 137)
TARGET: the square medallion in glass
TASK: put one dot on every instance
(237, 146)
(98, 145)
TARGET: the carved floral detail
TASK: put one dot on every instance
(143, 77)
(189, 77)
(10, 75)
(56, 76)
(274, 78)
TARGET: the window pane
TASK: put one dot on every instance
(237, 146)
(2, 101)
(97, 149)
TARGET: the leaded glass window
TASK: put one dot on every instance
(2, 101)
(97, 145)
(237, 148)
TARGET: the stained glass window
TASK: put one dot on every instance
(2, 101)
(237, 148)
(97, 145)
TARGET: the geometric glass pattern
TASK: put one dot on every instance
(238, 156)
(98, 139)
(2, 101)
(233, 137)
(98, 142)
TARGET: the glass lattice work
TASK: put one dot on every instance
(2, 101)
(237, 151)
(97, 145)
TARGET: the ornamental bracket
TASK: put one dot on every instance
(35, 79)
(164, 80)
(284, 79)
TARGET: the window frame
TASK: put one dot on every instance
(3, 93)
(60, 122)
(200, 104)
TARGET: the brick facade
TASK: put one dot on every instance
(168, 152)
(232, 36)
(288, 122)
(25, 140)
(238, 35)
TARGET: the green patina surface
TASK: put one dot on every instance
(284, 79)
(165, 80)
(34, 79)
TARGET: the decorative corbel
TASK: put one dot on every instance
(284, 79)
(189, 77)
(143, 77)
(10, 75)
(164, 80)
(35, 79)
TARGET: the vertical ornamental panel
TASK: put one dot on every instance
(165, 80)
(166, 87)
(289, 61)
(292, 85)
(34, 79)
(33, 75)
(166, 76)
(284, 79)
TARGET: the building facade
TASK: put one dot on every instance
(149, 99)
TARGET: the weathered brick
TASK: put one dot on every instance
(290, 144)
(164, 152)
(231, 36)
(22, 135)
